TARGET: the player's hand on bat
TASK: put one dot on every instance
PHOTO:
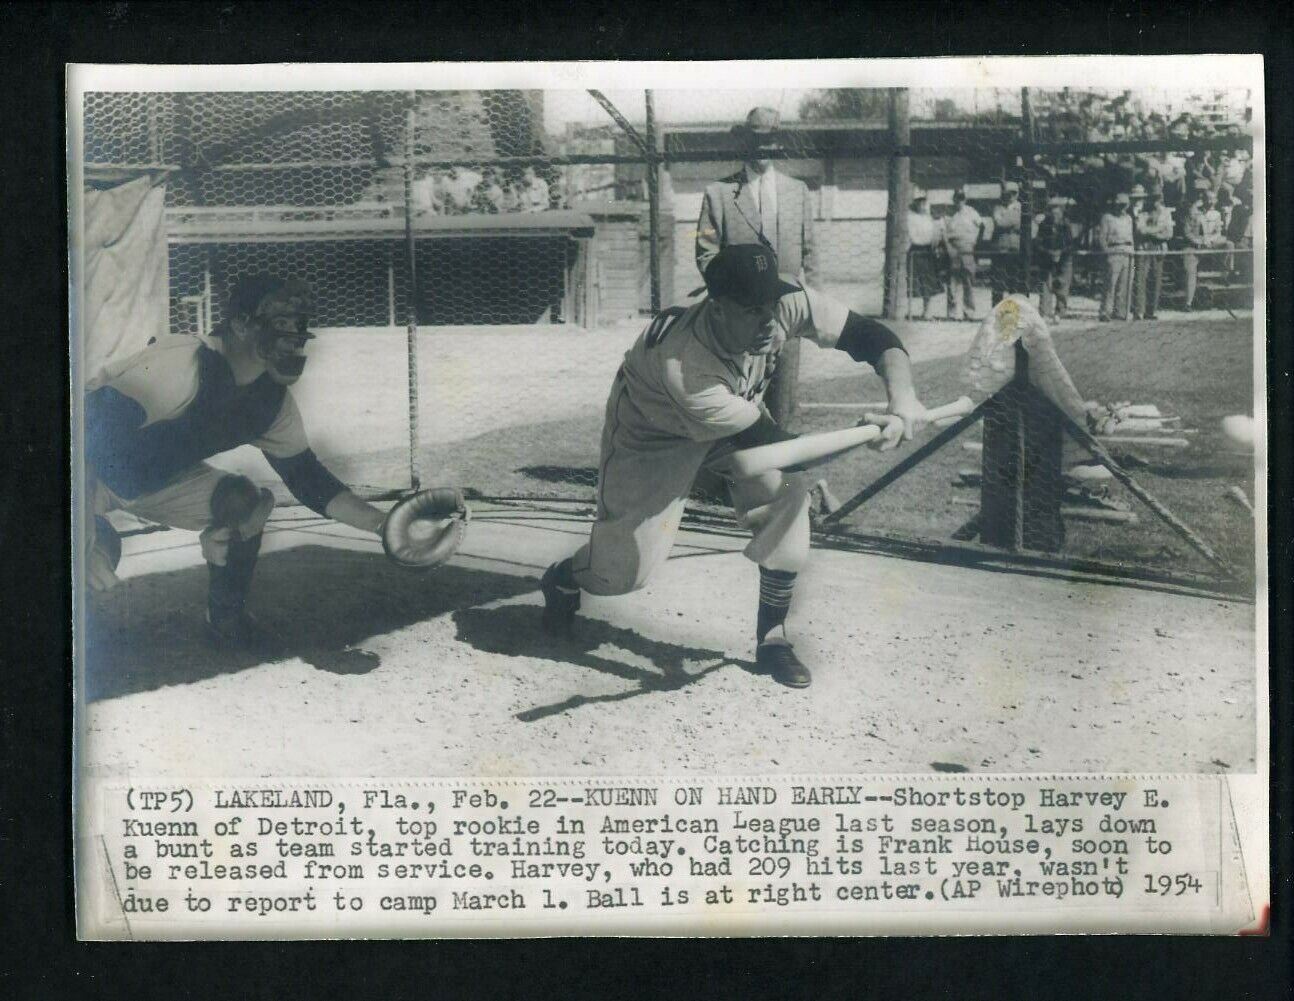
(905, 419)
(891, 426)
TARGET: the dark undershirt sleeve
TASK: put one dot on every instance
(112, 419)
(764, 431)
(308, 479)
(866, 340)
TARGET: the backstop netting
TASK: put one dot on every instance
(483, 259)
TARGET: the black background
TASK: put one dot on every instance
(39, 956)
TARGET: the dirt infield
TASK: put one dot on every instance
(917, 667)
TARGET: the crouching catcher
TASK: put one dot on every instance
(152, 421)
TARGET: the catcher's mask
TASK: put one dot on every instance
(279, 319)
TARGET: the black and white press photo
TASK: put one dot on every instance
(669, 498)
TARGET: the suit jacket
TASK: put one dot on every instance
(730, 217)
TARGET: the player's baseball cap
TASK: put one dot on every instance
(746, 273)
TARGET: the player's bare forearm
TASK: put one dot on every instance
(350, 510)
(895, 369)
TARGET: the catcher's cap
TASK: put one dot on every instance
(746, 273)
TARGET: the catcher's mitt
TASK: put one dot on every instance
(426, 529)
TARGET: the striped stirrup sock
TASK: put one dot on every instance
(775, 590)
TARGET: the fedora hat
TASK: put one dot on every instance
(759, 123)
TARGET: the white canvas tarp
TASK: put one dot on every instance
(126, 274)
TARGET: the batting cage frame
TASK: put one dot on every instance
(306, 179)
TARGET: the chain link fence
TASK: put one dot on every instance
(482, 260)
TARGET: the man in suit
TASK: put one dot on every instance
(761, 205)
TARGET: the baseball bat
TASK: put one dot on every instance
(812, 449)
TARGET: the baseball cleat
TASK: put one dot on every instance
(777, 657)
(239, 631)
(560, 603)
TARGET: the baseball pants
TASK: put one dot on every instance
(961, 284)
(1055, 288)
(184, 503)
(1148, 283)
(1115, 292)
(644, 477)
(1191, 267)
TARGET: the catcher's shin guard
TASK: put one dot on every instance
(228, 585)
(561, 598)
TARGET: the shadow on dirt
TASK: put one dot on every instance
(321, 603)
(655, 666)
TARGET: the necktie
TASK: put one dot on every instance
(767, 208)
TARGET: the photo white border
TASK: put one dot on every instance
(1249, 792)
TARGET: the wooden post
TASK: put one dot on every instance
(896, 212)
(205, 312)
(1020, 479)
(653, 204)
(411, 336)
(1001, 502)
(390, 289)
(1026, 193)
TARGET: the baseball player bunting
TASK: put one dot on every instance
(688, 395)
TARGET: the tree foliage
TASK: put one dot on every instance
(845, 103)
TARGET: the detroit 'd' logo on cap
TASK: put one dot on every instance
(761, 262)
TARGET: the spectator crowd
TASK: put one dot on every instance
(1135, 214)
(1070, 116)
(490, 190)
